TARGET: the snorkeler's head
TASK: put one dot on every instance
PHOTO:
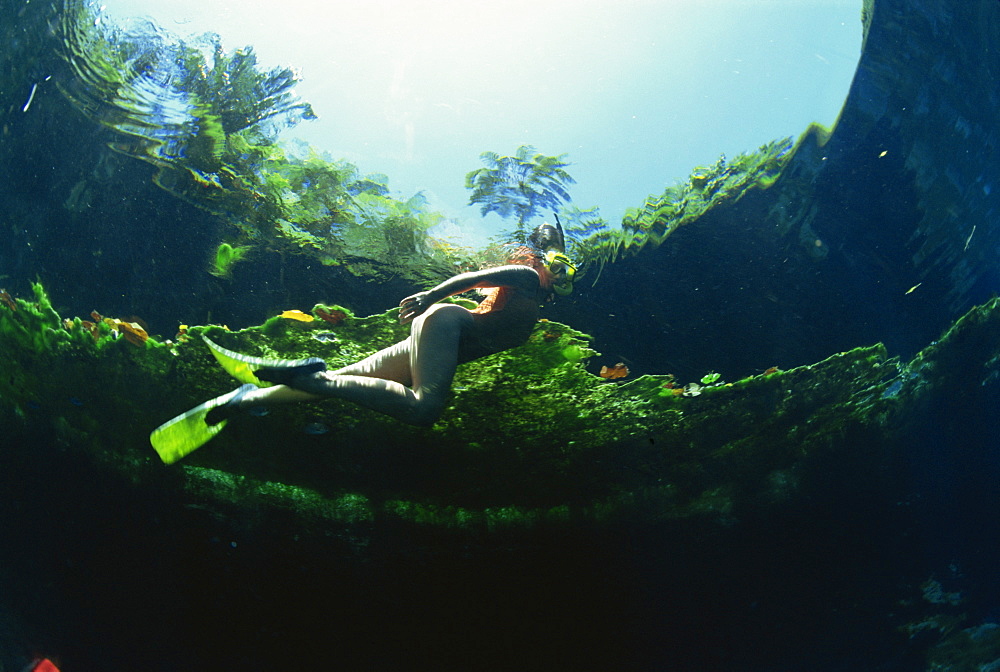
(551, 243)
(546, 237)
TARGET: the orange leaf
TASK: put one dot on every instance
(619, 370)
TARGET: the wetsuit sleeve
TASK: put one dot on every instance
(522, 278)
(519, 277)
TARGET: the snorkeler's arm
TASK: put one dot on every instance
(523, 278)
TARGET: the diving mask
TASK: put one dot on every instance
(563, 269)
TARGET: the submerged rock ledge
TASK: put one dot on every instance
(529, 438)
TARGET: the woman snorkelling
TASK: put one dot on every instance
(411, 380)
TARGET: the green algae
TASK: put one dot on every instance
(529, 437)
(531, 447)
(226, 256)
(970, 650)
(708, 187)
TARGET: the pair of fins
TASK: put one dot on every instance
(189, 431)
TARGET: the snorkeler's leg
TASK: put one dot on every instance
(433, 356)
(392, 363)
(250, 396)
(286, 371)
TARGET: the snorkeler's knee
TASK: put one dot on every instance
(426, 412)
(446, 312)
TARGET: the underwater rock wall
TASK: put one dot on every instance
(902, 194)
(563, 445)
(941, 119)
(551, 517)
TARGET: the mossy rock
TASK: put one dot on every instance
(529, 435)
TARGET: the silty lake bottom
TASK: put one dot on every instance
(824, 503)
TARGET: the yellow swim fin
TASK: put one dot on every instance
(240, 367)
(188, 431)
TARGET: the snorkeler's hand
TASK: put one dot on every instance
(413, 306)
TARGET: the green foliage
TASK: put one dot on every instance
(232, 89)
(208, 120)
(32, 336)
(225, 257)
(529, 437)
(520, 186)
(867, 12)
(707, 187)
(327, 209)
(969, 650)
(389, 230)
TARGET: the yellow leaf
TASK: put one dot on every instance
(297, 315)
